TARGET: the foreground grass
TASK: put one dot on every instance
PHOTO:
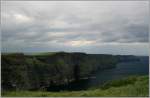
(132, 86)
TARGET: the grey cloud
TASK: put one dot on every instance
(102, 22)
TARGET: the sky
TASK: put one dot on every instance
(99, 27)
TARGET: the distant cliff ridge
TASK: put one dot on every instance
(34, 72)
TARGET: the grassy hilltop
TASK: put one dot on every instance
(32, 75)
(37, 71)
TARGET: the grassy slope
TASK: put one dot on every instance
(41, 54)
(132, 86)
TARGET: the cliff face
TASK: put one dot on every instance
(35, 72)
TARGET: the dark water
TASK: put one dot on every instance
(123, 69)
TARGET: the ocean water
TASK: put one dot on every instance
(122, 70)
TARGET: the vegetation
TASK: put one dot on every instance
(41, 53)
(132, 86)
(36, 72)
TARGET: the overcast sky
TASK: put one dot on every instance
(112, 27)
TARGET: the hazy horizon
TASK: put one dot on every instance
(93, 27)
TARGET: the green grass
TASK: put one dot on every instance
(132, 86)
